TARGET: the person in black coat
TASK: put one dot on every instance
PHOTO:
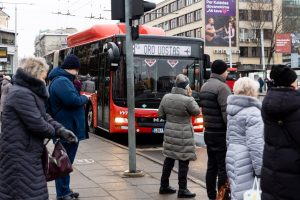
(25, 125)
(280, 177)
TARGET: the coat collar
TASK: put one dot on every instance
(35, 85)
(176, 90)
(217, 76)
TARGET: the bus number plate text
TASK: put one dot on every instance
(157, 130)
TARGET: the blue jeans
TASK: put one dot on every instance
(63, 184)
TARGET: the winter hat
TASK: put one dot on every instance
(218, 67)
(182, 81)
(7, 78)
(71, 62)
(282, 75)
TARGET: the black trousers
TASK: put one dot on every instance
(216, 167)
(182, 172)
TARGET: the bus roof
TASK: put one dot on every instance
(102, 31)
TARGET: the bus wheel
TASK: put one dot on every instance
(90, 122)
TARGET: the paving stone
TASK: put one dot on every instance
(107, 179)
(142, 181)
(89, 167)
(118, 186)
(130, 194)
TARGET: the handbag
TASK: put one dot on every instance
(57, 164)
(224, 192)
(255, 192)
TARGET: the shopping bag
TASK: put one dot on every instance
(57, 164)
(255, 192)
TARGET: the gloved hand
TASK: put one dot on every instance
(66, 134)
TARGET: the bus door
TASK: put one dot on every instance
(104, 92)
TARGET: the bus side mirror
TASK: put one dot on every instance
(206, 67)
(113, 52)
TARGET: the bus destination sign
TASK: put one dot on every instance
(162, 50)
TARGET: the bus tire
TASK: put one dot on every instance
(90, 122)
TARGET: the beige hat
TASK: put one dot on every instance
(7, 78)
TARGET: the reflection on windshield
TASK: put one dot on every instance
(156, 77)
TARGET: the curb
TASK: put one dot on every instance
(197, 181)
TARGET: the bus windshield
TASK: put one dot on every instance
(154, 77)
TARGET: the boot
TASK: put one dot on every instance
(185, 193)
(167, 190)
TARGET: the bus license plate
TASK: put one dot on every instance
(157, 130)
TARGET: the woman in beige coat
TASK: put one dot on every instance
(177, 108)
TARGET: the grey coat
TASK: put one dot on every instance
(4, 91)
(25, 125)
(177, 108)
(245, 143)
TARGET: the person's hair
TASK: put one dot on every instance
(34, 66)
(246, 86)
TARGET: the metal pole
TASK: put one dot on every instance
(130, 89)
(230, 50)
(263, 54)
(16, 46)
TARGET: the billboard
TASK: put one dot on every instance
(220, 17)
(283, 43)
(295, 54)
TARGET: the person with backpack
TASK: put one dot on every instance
(66, 106)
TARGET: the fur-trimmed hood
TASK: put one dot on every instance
(35, 85)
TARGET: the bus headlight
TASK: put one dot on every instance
(198, 120)
(121, 120)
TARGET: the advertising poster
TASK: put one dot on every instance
(295, 54)
(220, 18)
(282, 43)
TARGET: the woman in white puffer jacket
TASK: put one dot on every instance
(245, 140)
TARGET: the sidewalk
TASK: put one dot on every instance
(98, 175)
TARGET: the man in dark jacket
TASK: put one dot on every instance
(213, 100)
(66, 106)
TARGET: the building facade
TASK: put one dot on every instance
(48, 40)
(190, 18)
(7, 45)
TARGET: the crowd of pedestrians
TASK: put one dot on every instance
(245, 139)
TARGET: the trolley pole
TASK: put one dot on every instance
(130, 94)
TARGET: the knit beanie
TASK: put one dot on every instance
(182, 81)
(282, 75)
(218, 67)
(71, 62)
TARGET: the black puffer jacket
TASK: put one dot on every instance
(281, 159)
(25, 125)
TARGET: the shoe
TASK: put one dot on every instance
(74, 194)
(185, 193)
(167, 190)
(69, 197)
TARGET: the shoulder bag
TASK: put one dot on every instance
(57, 164)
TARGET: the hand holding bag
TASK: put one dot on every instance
(58, 164)
(255, 192)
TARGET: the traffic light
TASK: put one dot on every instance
(139, 7)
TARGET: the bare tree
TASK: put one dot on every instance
(280, 22)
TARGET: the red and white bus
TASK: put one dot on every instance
(157, 61)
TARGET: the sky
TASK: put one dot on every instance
(36, 15)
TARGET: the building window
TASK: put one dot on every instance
(198, 33)
(181, 4)
(181, 20)
(153, 15)
(197, 1)
(268, 34)
(173, 6)
(188, 2)
(166, 10)
(189, 18)
(173, 23)
(198, 15)
(255, 15)
(243, 15)
(267, 15)
(244, 51)
(167, 25)
(141, 20)
(147, 18)
(159, 12)
(188, 34)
